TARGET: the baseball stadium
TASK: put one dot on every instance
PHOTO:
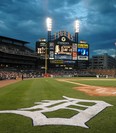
(56, 88)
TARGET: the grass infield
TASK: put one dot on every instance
(25, 93)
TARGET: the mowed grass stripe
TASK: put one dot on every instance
(25, 93)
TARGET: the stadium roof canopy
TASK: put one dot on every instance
(14, 41)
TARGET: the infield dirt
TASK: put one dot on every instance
(93, 90)
(8, 82)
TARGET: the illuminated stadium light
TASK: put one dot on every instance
(76, 26)
(49, 24)
(42, 40)
(83, 41)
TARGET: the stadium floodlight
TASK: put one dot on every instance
(49, 24)
(77, 26)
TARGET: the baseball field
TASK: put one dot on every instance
(58, 105)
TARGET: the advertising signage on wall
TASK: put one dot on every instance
(51, 45)
(51, 50)
(41, 49)
(74, 47)
(56, 61)
(42, 44)
(69, 62)
(83, 58)
(83, 52)
(51, 55)
(62, 62)
(83, 45)
(74, 53)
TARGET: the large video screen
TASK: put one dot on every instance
(83, 51)
(63, 52)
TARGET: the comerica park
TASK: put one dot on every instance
(57, 87)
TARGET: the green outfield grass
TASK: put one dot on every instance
(24, 93)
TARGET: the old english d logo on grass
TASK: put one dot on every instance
(85, 111)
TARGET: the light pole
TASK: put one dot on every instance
(46, 64)
(76, 30)
(49, 29)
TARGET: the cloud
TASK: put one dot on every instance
(3, 26)
(25, 19)
(104, 51)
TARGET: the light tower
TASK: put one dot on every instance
(49, 28)
(76, 30)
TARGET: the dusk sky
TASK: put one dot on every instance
(26, 20)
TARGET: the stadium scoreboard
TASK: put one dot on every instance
(63, 51)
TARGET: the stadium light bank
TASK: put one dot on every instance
(49, 24)
(76, 26)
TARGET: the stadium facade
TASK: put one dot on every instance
(15, 54)
(102, 62)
